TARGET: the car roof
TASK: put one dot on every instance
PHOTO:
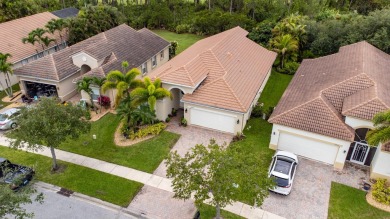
(280, 175)
(10, 111)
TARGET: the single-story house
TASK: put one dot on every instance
(327, 109)
(12, 33)
(217, 81)
(55, 74)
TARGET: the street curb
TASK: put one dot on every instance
(131, 212)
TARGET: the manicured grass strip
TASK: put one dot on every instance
(209, 212)
(274, 89)
(80, 179)
(184, 40)
(144, 156)
(3, 94)
(347, 202)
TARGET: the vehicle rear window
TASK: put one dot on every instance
(282, 166)
(281, 182)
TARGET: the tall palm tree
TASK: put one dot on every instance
(123, 82)
(381, 133)
(284, 45)
(31, 39)
(99, 82)
(56, 25)
(6, 69)
(46, 41)
(84, 85)
(150, 92)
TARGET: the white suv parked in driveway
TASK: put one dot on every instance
(282, 169)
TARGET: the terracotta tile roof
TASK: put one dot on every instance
(12, 33)
(110, 48)
(386, 146)
(353, 81)
(229, 68)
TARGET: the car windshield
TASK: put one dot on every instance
(282, 166)
(3, 117)
(281, 182)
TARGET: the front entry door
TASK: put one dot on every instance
(360, 152)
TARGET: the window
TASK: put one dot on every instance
(24, 61)
(154, 61)
(144, 68)
(95, 93)
(161, 55)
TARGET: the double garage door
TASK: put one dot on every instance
(213, 120)
(307, 147)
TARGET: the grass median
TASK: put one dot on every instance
(104, 186)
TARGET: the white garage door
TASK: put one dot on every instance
(213, 120)
(309, 148)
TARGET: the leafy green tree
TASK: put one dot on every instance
(286, 47)
(122, 82)
(150, 92)
(125, 109)
(381, 133)
(85, 85)
(218, 175)
(6, 69)
(99, 82)
(11, 202)
(51, 124)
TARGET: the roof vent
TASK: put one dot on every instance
(302, 75)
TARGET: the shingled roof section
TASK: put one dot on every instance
(110, 48)
(227, 69)
(12, 33)
(66, 12)
(353, 81)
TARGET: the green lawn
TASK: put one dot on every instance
(274, 89)
(4, 94)
(346, 202)
(80, 179)
(184, 40)
(144, 156)
(209, 212)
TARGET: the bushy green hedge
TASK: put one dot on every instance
(381, 191)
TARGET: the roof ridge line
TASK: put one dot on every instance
(338, 117)
(272, 118)
(227, 35)
(234, 95)
(341, 82)
(188, 75)
(361, 104)
(54, 66)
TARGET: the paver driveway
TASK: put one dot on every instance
(310, 194)
(162, 203)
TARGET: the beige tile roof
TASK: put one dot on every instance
(110, 48)
(386, 146)
(353, 81)
(12, 33)
(229, 67)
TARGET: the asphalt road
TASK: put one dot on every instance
(59, 206)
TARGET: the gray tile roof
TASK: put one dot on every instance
(66, 12)
(354, 81)
(110, 48)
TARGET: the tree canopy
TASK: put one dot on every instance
(219, 175)
(381, 133)
(48, 123)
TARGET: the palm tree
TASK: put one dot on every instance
(6, 69)
(31, 39)
(99, 82)
(122, 82)
(284, 45)
(46, 41)
(56, 25)
(150, 92)
(84, 85)
(381, 133)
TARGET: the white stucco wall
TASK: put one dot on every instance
(342, 144)
(380, 166)
(83, 58)
(357, 123)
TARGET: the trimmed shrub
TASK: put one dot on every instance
(381, 192)
(257, 111)
(147, 130)
(104, 101)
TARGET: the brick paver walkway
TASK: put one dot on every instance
(148, 179)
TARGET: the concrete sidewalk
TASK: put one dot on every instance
(159, 182)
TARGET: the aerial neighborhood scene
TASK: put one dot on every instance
(263, 109)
